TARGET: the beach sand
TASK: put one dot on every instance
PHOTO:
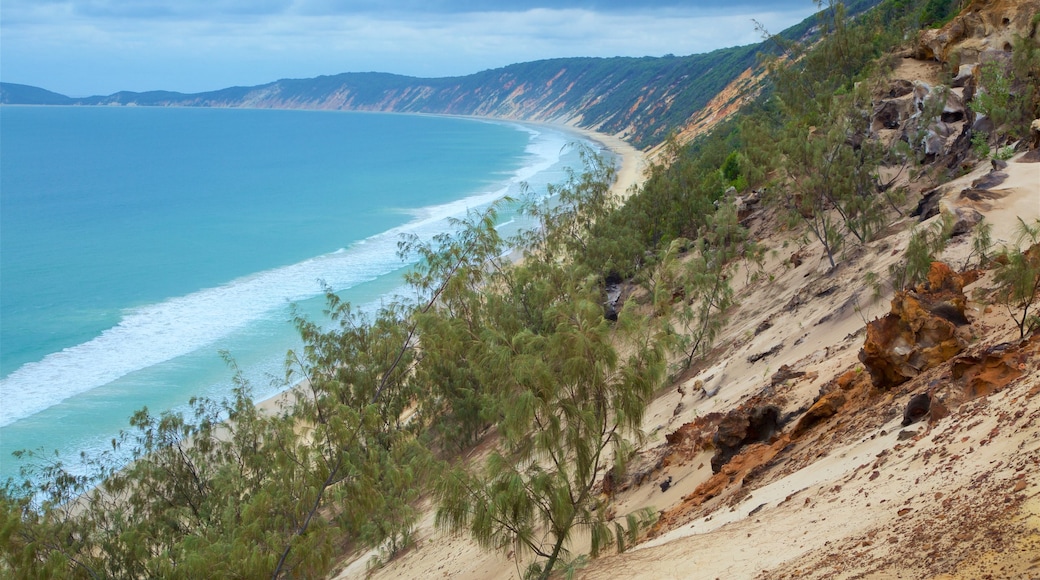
(634, 163)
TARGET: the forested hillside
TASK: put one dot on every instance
(640, 99)
(695, 366)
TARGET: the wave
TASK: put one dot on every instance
(153, 334)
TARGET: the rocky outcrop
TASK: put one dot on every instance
(920, 332)
(616, 291)
(985, 25)
(743, 427)
(890, 114)
(825, 407)
(963, 218)
(980, 374)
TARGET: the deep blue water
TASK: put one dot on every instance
(138, 243)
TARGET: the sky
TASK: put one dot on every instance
(98, 47)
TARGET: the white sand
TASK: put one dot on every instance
(866, 496)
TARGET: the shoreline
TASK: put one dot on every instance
(631, 173)
(634, 163)
(629, 164)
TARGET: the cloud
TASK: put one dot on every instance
(100, 46)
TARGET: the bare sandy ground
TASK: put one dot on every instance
(872, 501)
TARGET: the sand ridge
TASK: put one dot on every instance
(846, 502)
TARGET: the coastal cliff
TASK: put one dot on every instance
(641, 100)
(805, 347)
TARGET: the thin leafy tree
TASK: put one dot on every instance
(571, 403)
(827, 165)
(695, 280)
(575, 403)
(1018, 278)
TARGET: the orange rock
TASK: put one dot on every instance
(994, 368)
(920, 331)
(827, 406)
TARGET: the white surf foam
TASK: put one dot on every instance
(153, 334)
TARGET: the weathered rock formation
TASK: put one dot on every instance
(980, 374)
(984, 25)
(742, 427)
(920, 332)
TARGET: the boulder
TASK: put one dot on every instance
(920, 332)
(890, 114)
(898, 88)
(993, 368)
(982, 124)
(993, 178)
(824, 408)
(928, 207)
(921, 92)
(954, 110)
(746, 204)
(986, 26)
(615, 291)
(917, 408)
(933, 143)
(964, 218)
(785, 373)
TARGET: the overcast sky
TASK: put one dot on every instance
(90, 47)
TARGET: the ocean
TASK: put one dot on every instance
(137, 244)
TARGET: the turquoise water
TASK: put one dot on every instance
(138, 243)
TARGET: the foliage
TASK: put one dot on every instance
(694, 280)
(936, 13)
(1018, 277)
(198, 500)
(828, 165)
(981, 244)
(233, 492)
(1009, 93)
(980, 144)
(568, 212)
(574, 400)
(522, 351)
(924, 247)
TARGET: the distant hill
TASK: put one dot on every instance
(12, 94)
(640, 99)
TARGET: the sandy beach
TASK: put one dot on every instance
(634, 163)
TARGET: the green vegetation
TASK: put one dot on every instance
(693, 281)
(481, 343)
(517, 358)
(924, 247)
(1009, 92)
(936, 13)
(1018, 278)
(574, 401)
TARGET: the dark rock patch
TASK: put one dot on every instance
(759, 356)
(928, 207)
(917, 408)
(990, 180)
(743, 427)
